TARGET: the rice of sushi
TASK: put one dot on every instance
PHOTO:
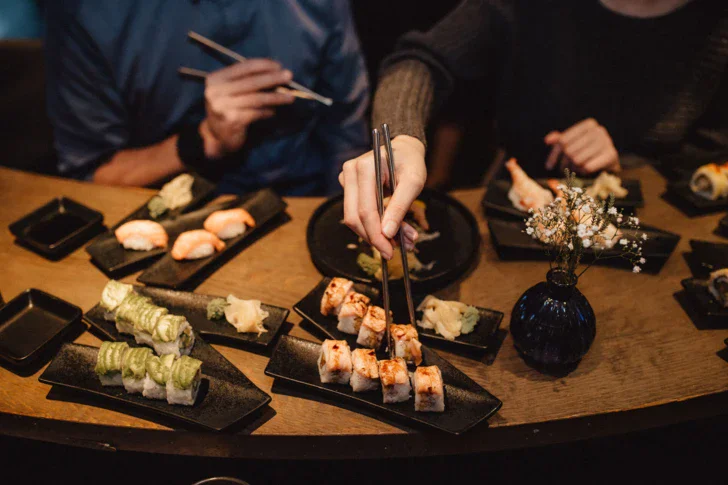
(138, 242)
(173, 335)
(109, 363)
(202, 251)
(134, 369)
(231, 230)
(155, 382)
(184, 381)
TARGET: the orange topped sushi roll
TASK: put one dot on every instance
(228, 224)
(196, 244)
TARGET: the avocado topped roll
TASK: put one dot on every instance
(112, 296)
(155, 382)
(173, 335)
(108, 363)
(184, 381)
(134, 369)
(127, 311)
(145, 322)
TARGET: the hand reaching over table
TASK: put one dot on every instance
(235, 98)
(360, 194)
(585, 148)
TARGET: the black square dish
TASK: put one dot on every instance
(57, 228)
(481, 339)
(220, 402)
(691, 204)
(194, 309)
(32, 322)
(703, 301)
(706, 257)
(294, 360)
(496, 198)
(265, 206)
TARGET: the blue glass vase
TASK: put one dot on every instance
(553, 324)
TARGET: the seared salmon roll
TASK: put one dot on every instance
(429, 389)
(334, 362)
(352, 312)
(365, 371)
(372, 329)
(406, 343)
(334, 295)
(395, 380)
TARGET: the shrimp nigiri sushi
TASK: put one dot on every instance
(334, 295)
(525, 193)
(141, 235)
(228, 224)
(196, 244)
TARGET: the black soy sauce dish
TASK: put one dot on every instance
(295, 361)
(202, 191)
(481, 339)
(704, 302)
(193, 307)
(511, 243)
(496, 199)
(265, 206)
(691, 204)
(334, 248)
(33, 322)
(220, 402)
(113, 259)
(57, 228)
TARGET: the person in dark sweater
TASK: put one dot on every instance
(578, 83)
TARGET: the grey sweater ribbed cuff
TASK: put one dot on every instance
(404, 99)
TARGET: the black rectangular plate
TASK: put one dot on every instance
(511, 243)
(194, 307)
(220, 402)
(295, 360)
(706, 257)
(202, 190)
(309, 307)
(112, 258)
(57, 228)
(31, 322)
(722, 229)
(264, 205)
(686, 198)
(702, 299)
(496, 197)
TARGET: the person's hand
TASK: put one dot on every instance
(236, 97)
(360, 194)
(584, 148)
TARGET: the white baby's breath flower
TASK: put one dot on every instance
(600, 211)
(529, 231)
(570, 246)
(612, 211)
(636, 269)
(643, 260)
(623, 242)
(586, 209)
(644, 237)
(577, 190)
(586, 242)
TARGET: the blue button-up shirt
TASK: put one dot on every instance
(113, 82)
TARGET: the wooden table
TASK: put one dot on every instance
(649, 365)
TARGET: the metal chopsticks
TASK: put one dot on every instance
(385, 269)
(237, 57)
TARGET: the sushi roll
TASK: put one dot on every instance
(155, 382)
(141, 235)
(334, 363)
(127, 312)
(134, 369)
(352, 312)
(108, 363)
(718, 286)
(372, 328)
(111, 297)
(406, 343)
(429, 390)
(228, 224)
(145, 322)
(184, 380)
(173, 335)
(334, 295)
(710, 182)
(196, 244)
(395, 380)
(365, 372)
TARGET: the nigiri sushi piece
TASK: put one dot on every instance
(334, 295)
(227, 224)
(352, 312)
(373, 327)
(365, 371)
(334, 364)
(196, 244)
(184, 380)
(429, 389)
(134, 369)
(142, 235)
(406, 343)
(525, 193)
(718, 286)
(109, 361)
(395, 380)
(158, 370)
